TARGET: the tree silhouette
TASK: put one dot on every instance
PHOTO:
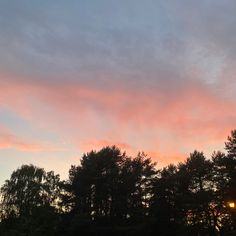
(110, 193)
(167, 205)
(28, 198)
(110, 187)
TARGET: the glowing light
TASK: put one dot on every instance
(231, 204)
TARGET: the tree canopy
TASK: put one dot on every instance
(111, 193)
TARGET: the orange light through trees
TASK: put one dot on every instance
(231, 204)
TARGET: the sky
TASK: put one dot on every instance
(146, 75)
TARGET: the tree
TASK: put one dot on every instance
(94, 184)
(141, 175)
(230, 162)
(221, 178)
(200, 215)
(225, 184)
(168, 202)
(110, 193)
(28, 201)
(110, 187)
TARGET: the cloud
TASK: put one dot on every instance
(9, 140)
(166, 119)
(156, 76)
(98, 144)
(161, 37)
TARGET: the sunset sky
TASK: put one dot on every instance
(147, 75)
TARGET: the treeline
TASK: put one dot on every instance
(110, 193)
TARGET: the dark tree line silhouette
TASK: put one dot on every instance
(110, 193)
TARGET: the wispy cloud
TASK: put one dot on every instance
(191, 115)
(9, 140)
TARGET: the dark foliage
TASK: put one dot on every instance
(110, 193)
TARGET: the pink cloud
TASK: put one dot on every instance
(8, 140)
(87, 146)
(169, 121)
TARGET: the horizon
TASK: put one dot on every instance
(157, 77)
